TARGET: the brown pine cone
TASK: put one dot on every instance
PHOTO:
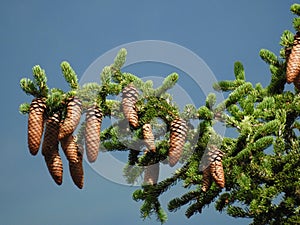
(76, 168)
(129, 99)
(72, 118)
(35, 124)
(70, 148)
(178, 131)
(92, 132)
(216, 167)
(206, 179)
(148, 136)
(293, 61)
(50, 148)
(151, 174)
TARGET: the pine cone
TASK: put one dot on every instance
(50, 149)
(76, 168)
(129, 99)
(92, 132)
(206, 179)
(293, 61)
(216, 167)
(148, 137)
(35, 124)
(69, 145)
(151, 174)
(178, 131)
(72, 118)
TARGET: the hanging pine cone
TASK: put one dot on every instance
(148, 136)
(70, 148)
(50, 148)
(216, 167)
(151, 174)
(92, 132)
(35, 124)
(72, 118)
(76, 168)
(178, 131)
(129, 99)
(293, 61)
(206, 179)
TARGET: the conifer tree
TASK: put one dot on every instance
(254, 175)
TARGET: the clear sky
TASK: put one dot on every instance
(48, 32)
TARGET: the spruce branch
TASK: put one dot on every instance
(261, 162)
(202, 200)
(105, 76)
(176, 203)
(278, 80)
(239, 71)
(269, 57)
(69, 75)
(296, 23)
(28, 87)
(167, 84)
(295, 8)
(40, 80)
(228, 85)
(189, 112)
(269, 128)
(24, 108)
(119, 59)
(132, 173)
(238, 93)
(286, 39)
(54, 101)
(236, 211)
(210, 100)
(205, 113)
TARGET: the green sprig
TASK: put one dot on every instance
(296, 24)
(295, 8)
(40, 80)
(69, 75)
(28, 87)
(239, 71)
(269, 57)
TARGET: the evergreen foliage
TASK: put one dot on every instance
(261, 165)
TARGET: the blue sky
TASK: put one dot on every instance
(46, 33)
